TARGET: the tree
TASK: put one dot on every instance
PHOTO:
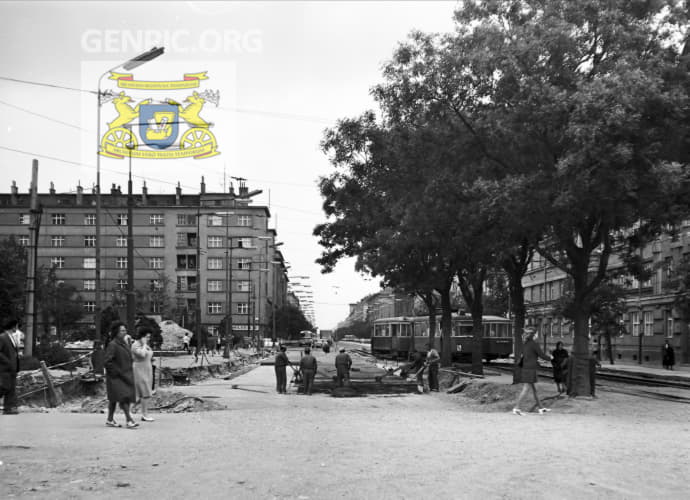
(12, 279)
(59, 304)
(290, 321)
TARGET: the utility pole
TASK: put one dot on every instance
(130, 245)
(31, 265)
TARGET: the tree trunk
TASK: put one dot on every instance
(578, 376)
(477, 308)
(445, 327)
(609, 347)
(432, 326)
(517, 296)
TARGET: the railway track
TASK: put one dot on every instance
(630, 384)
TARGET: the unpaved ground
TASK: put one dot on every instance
(403, 446)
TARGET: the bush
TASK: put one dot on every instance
(55, 354)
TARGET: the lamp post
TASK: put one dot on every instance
(128, 65)
(228, 275)
(130, 244)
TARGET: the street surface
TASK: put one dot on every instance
(266, 445)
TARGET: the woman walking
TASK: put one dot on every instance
(119, 380)
(530, 353)
(559, 360)
(143, 371)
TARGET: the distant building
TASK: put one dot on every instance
(215, 247)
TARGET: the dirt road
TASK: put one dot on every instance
(271, 446)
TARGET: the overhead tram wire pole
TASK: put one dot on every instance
(130, 243)
(128, 65)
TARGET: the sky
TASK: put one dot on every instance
(283, 73)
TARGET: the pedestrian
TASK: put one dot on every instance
(433, 361)
(142, 354)
(280, 365)
(559, 362)
(343, 363)
(185, 343)
(417, 367)
(668, 356)
(530, 353)
(307, 366)
(11, 340)
(594, 363)
(219, 345)
(119, 380)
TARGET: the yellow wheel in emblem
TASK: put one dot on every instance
(118, 137)
(197, 138)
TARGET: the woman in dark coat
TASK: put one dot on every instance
(560, 363)
(668, 357)
(530, 353)
(119, 381)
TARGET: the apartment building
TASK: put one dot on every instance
(208, 252)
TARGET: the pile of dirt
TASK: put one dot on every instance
(172, 334)
(163, 401)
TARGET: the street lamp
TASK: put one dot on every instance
(130, 243)
(128, 65)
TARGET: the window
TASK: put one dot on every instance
(242, 308)
(121, 241)
(121, 284)
(186, 219)
(244, 220)
(57, 262)
(648, 323)
(245, 243)
(89, 284)
(90, 219)
(24, 219)
(215, 307)
(215, 263)
(57, 219)
(121, 262)
(244, 264)
(89, 241)
(635, 321)
(57, 241)
(186, 283)
(90, 306)
(215, 242)
(243, 286)
(155, 262)
(186, 261)
(668, 323)
(186, 239)
(89, 263)
(156, 219)
(121, 219)
(23, 240)
(215, 285)
(213, 331)
(215, 220)
(156, 241)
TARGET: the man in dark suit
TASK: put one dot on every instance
(308, 366)
(10, 342)
(343, 363)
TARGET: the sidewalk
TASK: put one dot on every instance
(679, 371)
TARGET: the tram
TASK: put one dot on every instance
(397, 336)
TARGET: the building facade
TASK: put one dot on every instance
(206, 255)
(650, 319)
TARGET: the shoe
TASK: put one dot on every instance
(147, 419)
(112, 423)
(517, 411)
(543, 410)
(132, 425)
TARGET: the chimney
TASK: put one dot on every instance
(243, 189)
(203, 185)
(80, 194)
(178, 194)
(144, 193)
(232, 190)
(113, 189)
(15, 191)
(52, 189)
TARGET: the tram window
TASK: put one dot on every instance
(394, 329)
